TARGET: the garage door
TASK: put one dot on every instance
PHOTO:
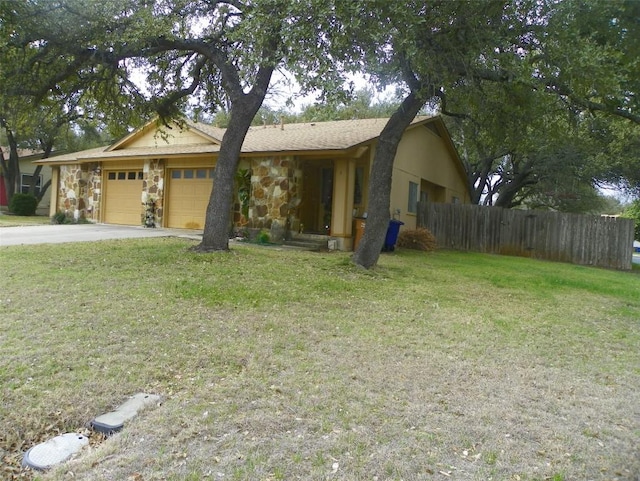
(188, 197)
(122, 197)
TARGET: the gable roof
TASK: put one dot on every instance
(209, 134)
(332, 136)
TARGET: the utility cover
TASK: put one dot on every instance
(54, 451)
(113, 421)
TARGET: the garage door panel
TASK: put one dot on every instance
(122, 197)
(188, 197)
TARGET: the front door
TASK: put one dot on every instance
(317, 198)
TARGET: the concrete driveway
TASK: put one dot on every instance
(55, 234)
(636, 259)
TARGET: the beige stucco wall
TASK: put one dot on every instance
(423, 158)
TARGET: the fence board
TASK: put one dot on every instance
(579, 239)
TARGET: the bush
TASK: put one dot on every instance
(263, 237)
(419, 239)
(60, 217)
(23, 204)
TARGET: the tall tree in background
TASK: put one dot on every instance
(569, 110)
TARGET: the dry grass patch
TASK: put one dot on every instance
(280, 364)
(419, 239)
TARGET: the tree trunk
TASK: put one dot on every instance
(11, 166)
(368, 250)
(218, 217)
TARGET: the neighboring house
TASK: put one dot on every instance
(307, 177)
(27, 169)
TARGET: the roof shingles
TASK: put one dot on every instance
(311, 136)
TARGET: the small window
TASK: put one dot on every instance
(176, 174)
(25, 183)
(122, 175)
(188, 174)
(412, 206)
(112, 176)
(201, 174)
(131, 175)
(455, 200)
(211, 171)
(140, 175)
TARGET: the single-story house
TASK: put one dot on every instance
(27, 171)
(298, 178)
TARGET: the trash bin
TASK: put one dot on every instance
(392, 235)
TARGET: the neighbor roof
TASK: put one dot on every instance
(338, 135)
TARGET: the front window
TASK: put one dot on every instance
(25, 183)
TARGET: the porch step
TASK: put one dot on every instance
(312, 242)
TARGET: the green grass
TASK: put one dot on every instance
(9, 220)
(280, 364)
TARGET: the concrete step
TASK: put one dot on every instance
(308, 241)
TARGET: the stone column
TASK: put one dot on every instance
(72, 189)
(273, 180)
(94, 192)
(153, 187)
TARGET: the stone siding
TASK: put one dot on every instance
(276, 184)
(80, 191)
(153, 187)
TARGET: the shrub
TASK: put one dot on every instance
(23, 204)
(419, 239)
(62, 217)
(59, 218)
(263, 237)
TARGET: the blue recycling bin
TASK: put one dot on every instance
(392, 235)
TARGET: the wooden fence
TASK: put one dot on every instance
(579, 239)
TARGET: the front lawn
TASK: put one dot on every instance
(280, 364)
(10, 220)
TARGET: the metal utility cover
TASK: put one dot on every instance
(54, 451)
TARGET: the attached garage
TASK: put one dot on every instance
(122, 195)
(188, 195)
